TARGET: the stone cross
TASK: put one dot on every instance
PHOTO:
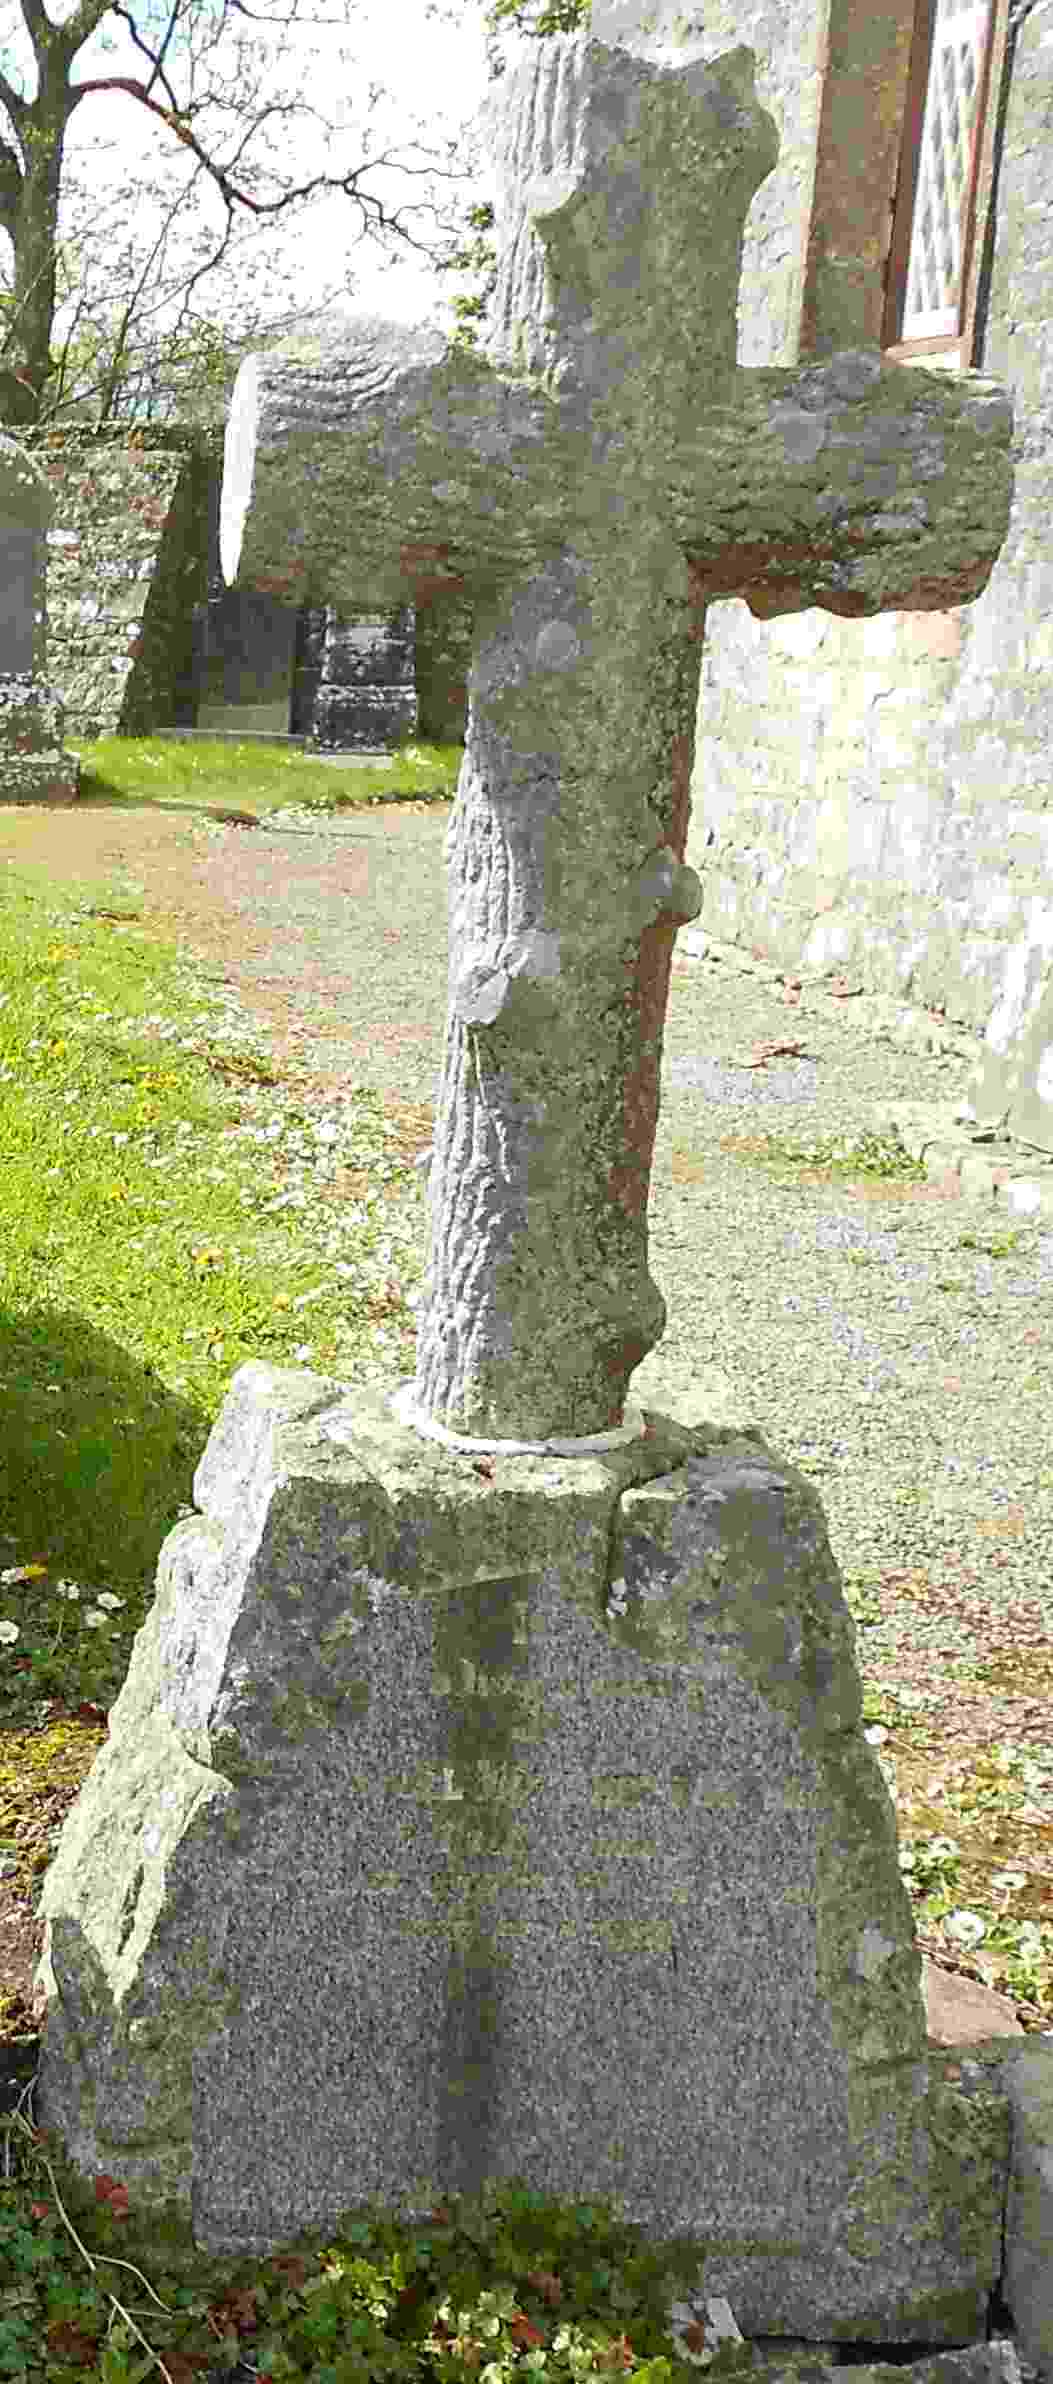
(591, 479)
(490, 1774)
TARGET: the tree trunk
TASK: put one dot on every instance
(27, 348)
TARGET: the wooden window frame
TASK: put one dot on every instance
(954, 350)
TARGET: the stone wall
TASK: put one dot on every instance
(126, 567)
(132, 566)
(878, 796)
(444, 652)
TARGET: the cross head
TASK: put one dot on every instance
(591, 479)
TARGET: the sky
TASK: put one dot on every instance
(438, 72)
(435, 71)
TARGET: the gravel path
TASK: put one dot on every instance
(890, 1336)
(893, 1341)
(867, 1327)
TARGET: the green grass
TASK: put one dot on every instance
(171, 1206)
(258, 777)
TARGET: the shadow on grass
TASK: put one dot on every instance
(98, 795)
(98, 1457)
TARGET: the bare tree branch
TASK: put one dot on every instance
(155, 58)
(10, 189)
(38, 25)
(169, 116)
(211, 81)
(130, 309)
(235, 194)
(69, 36)
(17, 106)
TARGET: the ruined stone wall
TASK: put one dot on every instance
(126, 567)
(878, 796)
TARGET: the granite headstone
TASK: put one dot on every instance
(33, 766)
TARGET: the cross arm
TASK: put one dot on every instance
(852, 484)
(392, 465)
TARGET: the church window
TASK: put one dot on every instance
(937, 231)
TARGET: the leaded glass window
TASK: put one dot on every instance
(934, 239)
(934, 271)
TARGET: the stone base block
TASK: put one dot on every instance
(33, 766)
(1026, 2073)
(466, 1819)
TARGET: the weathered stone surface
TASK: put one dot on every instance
(994, 2362)
(126, 573)
(1022, 2072)
(1027, 2077)
(33, 766)
(444, 650)
(540, 1795)
(25, 509)
(591, 480)
(788, 49)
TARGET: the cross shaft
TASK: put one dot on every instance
(591, 481)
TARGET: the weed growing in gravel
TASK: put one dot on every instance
(980, 1892)
(833, 1156)
(991, 1245)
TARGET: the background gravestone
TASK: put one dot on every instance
(343, 680)
(269, 668)
(367, 696)
(536, 1788)
(248, 644)
(33, 766)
